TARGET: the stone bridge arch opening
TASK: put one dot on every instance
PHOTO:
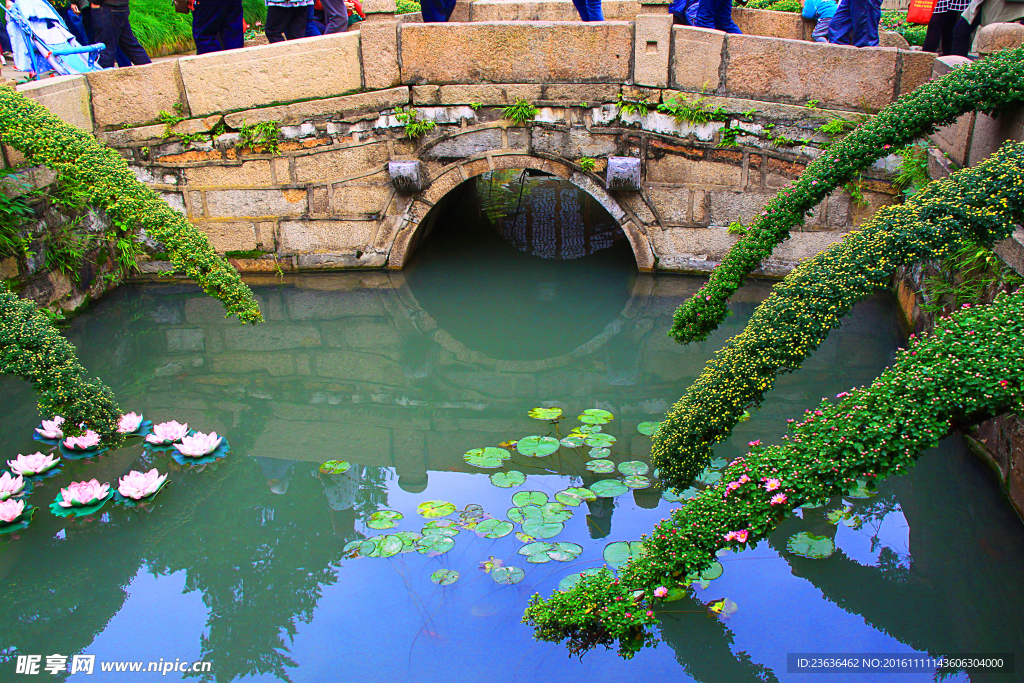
(553, 263)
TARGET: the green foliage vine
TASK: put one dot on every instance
(970, 369)
(984, 85)
(980, 203)
(103, 178)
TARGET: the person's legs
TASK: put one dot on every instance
(933, 36)
(277, 22)
(706, 14)
(596, 11)
(206, 25)
(820, 34)
(104, 31)
(312, 28)
(298, 21)
(335, 15)
(723, 17)
(963, 33)
(434, 11)
(231, 35)
(449, 7)
(128, 42)
(842, 22)
(74, 24)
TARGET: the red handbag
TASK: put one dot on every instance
(920, 11)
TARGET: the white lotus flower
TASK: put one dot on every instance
(79, 493)
(199, 444)
(10, 510)
(36, 463)
(50, 429)
(10, 486)
(137, 485)
(81, 443)
(167, 432)
(129, 423)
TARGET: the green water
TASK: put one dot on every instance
(242, 564)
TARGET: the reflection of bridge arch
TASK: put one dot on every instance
(409, 223)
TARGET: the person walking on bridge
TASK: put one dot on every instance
(435, 11)
(590, 10)
(716, 14)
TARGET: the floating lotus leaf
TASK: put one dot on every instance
(599, 452)
(846, 516)
(489, 458)
(216, 455)
(618, 553)
(335, 467)
(811, 504)
(359, 547)
(76, 454)
(433, 509)
(78, 510)
(127, 502)
(673, 496)
(861, 490)
(722, 552)
(494, 528)
(568, 582)
(718, 463)
(545, 413)
(536, 547)
(575, 495)
(634, 468)
(674, 594)
(712, 572)
(637, 482)
(409, 539)
(648, 428)
(709, 477)
(387, 546)
(589, 429)
(522, 498)
(554, 512)
(445, 577)
(608, 488)
(517, 515)
(599, 440)
(18, 523)
(538, 558)
(434, 544)
(507, 480)
(524, 538)
(601, 466)
(441, 527)
(508, 575)
(472, 511)
(596, 416)
(565, 551)
(812, 546)
(572, 441)
(384, 519)
(541, 529)
(537, 446)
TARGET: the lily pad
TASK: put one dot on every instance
(434, 544)
(408, 539)
(445, 577)
(387, 546)
(637, 482)
(601, 440)
(545, 413)
(601, 466)
(359, 547)
(608, 488)
(812, 504)
(599, 452)
(494, 528)
(570, 581)
(709, 477)
(508, 575)
(575, 495)
(78, 510)
(811, 546)
(537, 446)
(525, 538)
(589, 429)
(441, 527)
(572, 441)
(472, 511)
(384, 519)
(675, 496)
(618, 553)
(507, 480)
(529, 498)
(336, 467)
(536, 547)
(76, 454)
(648, 428)
(127, 502)
(433, 509)
(553, 512)
(596, 416)
(565, 551)
(861, 490)
(216, 455)
(538, 528)
(634, 468)
(489, 458)
(517, 515)
(713, 572)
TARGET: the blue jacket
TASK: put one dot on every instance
(819, 9)
(685, 11)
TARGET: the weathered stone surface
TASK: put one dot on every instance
(136, 94)
(996, 37)
(651, 49)
(66, 96)
(347, 105)
(955, 139)
(915, 70)
(462, 145)
(407, 176)
(378, 44)
(127, 136)
(571, 144)
(248, 173)
(698, 58)
(678, 169)
(271, 203)
(892, 39)
(542, 52)
(489, 95)
(547, 10)
(282, 72)
(271, 337)
(576, 93)
(760, 22)
(991, 132)
(8, 268)
(356, 198)
(185, 340)
(1011, 250)
(798, 71)
(325, 235)
(273, 363)
(672, 204)
(230, 236)
(623, 173)
(378, 7)
(340, 163)
(728, 206)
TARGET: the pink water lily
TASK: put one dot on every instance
(137, 485)
(129, 423)
(50, 429)
(80, 443)
(199, 444)
(10, 510)
(167, 432)
(660, 592)
(35, 463)
(778, 499)
(80, 493)
(10, 486)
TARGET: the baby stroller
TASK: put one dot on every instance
(42, 43)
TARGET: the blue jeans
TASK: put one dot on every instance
(216, 27)
(856, 23)
(716, 14)
(437, 10)
(74, 24)
(590, 10)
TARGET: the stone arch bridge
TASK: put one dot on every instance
(325, 198)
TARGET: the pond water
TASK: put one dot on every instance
(244, 564)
